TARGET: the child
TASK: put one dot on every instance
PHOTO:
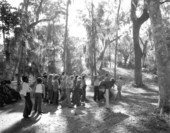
(26, 92)
(39, 90)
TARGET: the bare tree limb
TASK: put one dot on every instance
(39, 10)
(114, 39)
(141, 40)
(162, 2)
(45, 20)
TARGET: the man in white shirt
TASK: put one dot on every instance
(26, 93)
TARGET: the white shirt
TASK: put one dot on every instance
(96, 82)
(25, 89)
(39, 88)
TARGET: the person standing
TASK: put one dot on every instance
(39, 91)
(46, 87)
(26, 90)
(107, 88)
(74, 87)
(96, 88)
(69, 85)
(56, 90)
(50, 89)
(63, 86)
(83, 85)
(77, 93)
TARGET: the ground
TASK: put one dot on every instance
(133, 114)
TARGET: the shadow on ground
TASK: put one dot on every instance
(21, 124)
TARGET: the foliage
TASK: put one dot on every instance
(9, 17)
(125, 48)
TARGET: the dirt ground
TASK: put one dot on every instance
(133, 114)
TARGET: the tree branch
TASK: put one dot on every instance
(114, 39)
(45, 20)
(162, 2)
(39, 10)
(143, 17)
(133, 9)
(141, 40)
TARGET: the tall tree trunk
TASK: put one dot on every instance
(17, 62)
(19, 67)
(138, 55)
(162, 53)
(117, 23)
(137, 22)
(66, 37)
(101, 56)
(94, 46)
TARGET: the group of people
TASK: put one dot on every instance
(102, 83)
(70, 90)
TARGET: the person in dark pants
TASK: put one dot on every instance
(46, 87)
(50, 89)
(96, 88)
(26, 92)
(83, 85)
(74, 86)
(63, 86)
(55, 89)
(77, 93)
(39, 90)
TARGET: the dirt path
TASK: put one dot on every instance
(133, 114)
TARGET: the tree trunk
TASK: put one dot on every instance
(19, 68)
(137, 22)
(162, 53)
(101, 56)
(117, 30)
(138, 55)
(66, 38)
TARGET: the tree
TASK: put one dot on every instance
(162, 51)
(66, 37)
(125, 48)
(117, 34)
(90, 24)
(10, 19)
(137, 22)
